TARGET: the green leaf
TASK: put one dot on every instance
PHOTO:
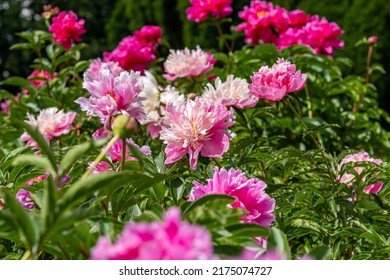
(34, 160)
(41, 141)
(20, 82)
(246, 231)
(321, 253)
(73, 155)
(277, 241)
(216, 199)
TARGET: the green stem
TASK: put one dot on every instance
(100, 156)
(123, 159)
(367, 79)
(308, 100)
(219, 28)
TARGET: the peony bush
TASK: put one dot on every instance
(262, 149)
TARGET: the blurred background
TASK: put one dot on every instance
(108, 21)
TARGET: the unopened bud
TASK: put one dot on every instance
(2, 203)
(124, 126)
(372, 40)
(191, 96)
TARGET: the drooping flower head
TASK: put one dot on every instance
(188, 63)
(196, 127)
(350, 178)
(275, 82)
(135, 52)
(262, 22)
(112, 95)
(233, 92)
(249, 194)
(67, 29)
(171, 239)
(201, 9)
(51, 123)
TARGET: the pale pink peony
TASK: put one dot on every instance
(249, 194)
(24, 197)
(188, 63)
(51, 123)
(67, 29)
(195, 127)
(171, 239)
(262, 22)
(233, 92)
(112, 95)
(350, 178)
(275, 82)
(201, 9)
(92, 73)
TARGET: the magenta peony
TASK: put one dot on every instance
(66, 29)
(201, 9)
(196, 127)
(51, 123)
(24, 197)
(188, 63)
(171, 239)
(249, 194)
(275, 82)
(350, 178)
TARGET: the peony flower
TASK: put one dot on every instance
(24, 197)
(262, 22)
(249, 194)
(275, 82)
(112, 95)
(350, 178)
(43, 77)
(51, 123)
(149, 35)
(196, 127)
(94, 68)
(4, 106)
(233, 92)
(171, 239)
(188, 63)
(66, 29)
(201, 9)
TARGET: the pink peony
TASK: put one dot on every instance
(262, 22)
(195, 127)
(94, 68)
(112, 95)
(4, 106)
(171, 239)
(275, 82)
(298, 18)
(201, 9)
(51, 123)
(42, 76)
(249, 194)
(233, 92)
(66, 29)
(24, 197)
(149, 35)
(350, 178)
(188, 63)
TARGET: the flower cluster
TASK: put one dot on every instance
(188, 63)
(171, 239)
(67, 29)
(196, 127)
(266, 23)
(135, 52)
(250, 194)
(51, 123)
(112, 95)
(350, 178)
(275, 82)
(201, 9)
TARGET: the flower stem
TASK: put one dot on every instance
(308, 100)
(219, 28)
(100, 156)
(123, 159)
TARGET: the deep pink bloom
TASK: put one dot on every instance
(262, 22)
(233, 92)
(201, 9)
(249, 194)
(275, 82)
(112, 95)
(149, 35)
(37, 179)
(51, 123)
(67, 29)
(350, 178)
(171, 239)
(195, 127)
(43, 77)
(24, 197)
(188, 63)
(298, 18)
